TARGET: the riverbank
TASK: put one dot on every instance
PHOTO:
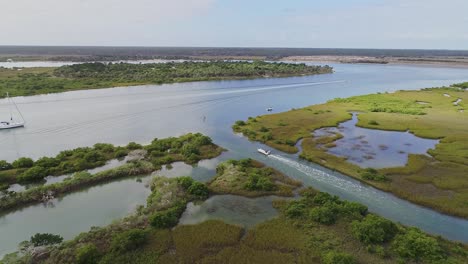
(438, 181)
(34, 81)
(317, 227)
(189, 148)
(443, 61)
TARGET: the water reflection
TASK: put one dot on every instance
(374, 148)
(231, 209)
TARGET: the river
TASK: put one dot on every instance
(57, 122)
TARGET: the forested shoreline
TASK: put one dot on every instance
(34, 81)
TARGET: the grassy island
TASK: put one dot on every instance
(189, 148)
(439, 181)
(315, 228)
(33, 81)
(252, 179)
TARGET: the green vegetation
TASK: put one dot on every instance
(45, 239)
(26, 170)
(78, 181)
(251, 178)
(439, 181)
(143, 161)
(87, 254)
(295, 236)
(128, 240)
(32, 81)
(373, 175)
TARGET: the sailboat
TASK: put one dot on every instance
(12, 123)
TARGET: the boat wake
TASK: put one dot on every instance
(322, 176)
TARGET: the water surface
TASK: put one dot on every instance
(63, 121)
(372, 148)
(232, 209)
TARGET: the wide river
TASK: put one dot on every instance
(63, 121)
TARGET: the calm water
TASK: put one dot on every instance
(82, 118)
(370, 148)
(231, 209)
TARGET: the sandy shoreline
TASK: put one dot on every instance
(431, 61)
(445, 61)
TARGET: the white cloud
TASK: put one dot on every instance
(98, 22)
(389, 24)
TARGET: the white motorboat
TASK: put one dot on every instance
(264, 152)
(269, 109)
(12, 123)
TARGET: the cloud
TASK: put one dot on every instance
(389, 23)
(98, 22)
(297, 23)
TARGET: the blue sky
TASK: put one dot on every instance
(419, 24)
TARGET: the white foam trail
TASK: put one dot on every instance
(162, 95)
(322, 176)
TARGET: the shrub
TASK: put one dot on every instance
(133, 146)
(415, 245)
(267, 136)
(263, 129)
(201, 140)
(322, 198)
(373, 122)
(120, 154)
(240, 123)
(185, 182)
(128, 240)
(257, 182)
(32, 174)
(45, 239)
(334, 257)
(198, 189)
(23, 163)
(373, 175)
(290, 142)
(4, 165)
(189, 149)
(295, 209)
(167, 218)
(94, 156)
(47, 162)
(374, 229)
(353, 209)
(104, 147)
(325, 214)
(87, 254)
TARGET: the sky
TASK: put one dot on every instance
(396, 24)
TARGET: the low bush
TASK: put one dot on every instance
(4, 165)
(199, 190)
(258, 182)
(128, 240)
(167, 218)
(33, 174)
(326, 214)
(45, 239)
(87, 254)
(295, 209)
(374, 229)
(373, 175)
(23, 163)
(333, 257)
(415, 245)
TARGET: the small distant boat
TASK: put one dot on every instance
(269, 109)
(264, 152)
(12, 123)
